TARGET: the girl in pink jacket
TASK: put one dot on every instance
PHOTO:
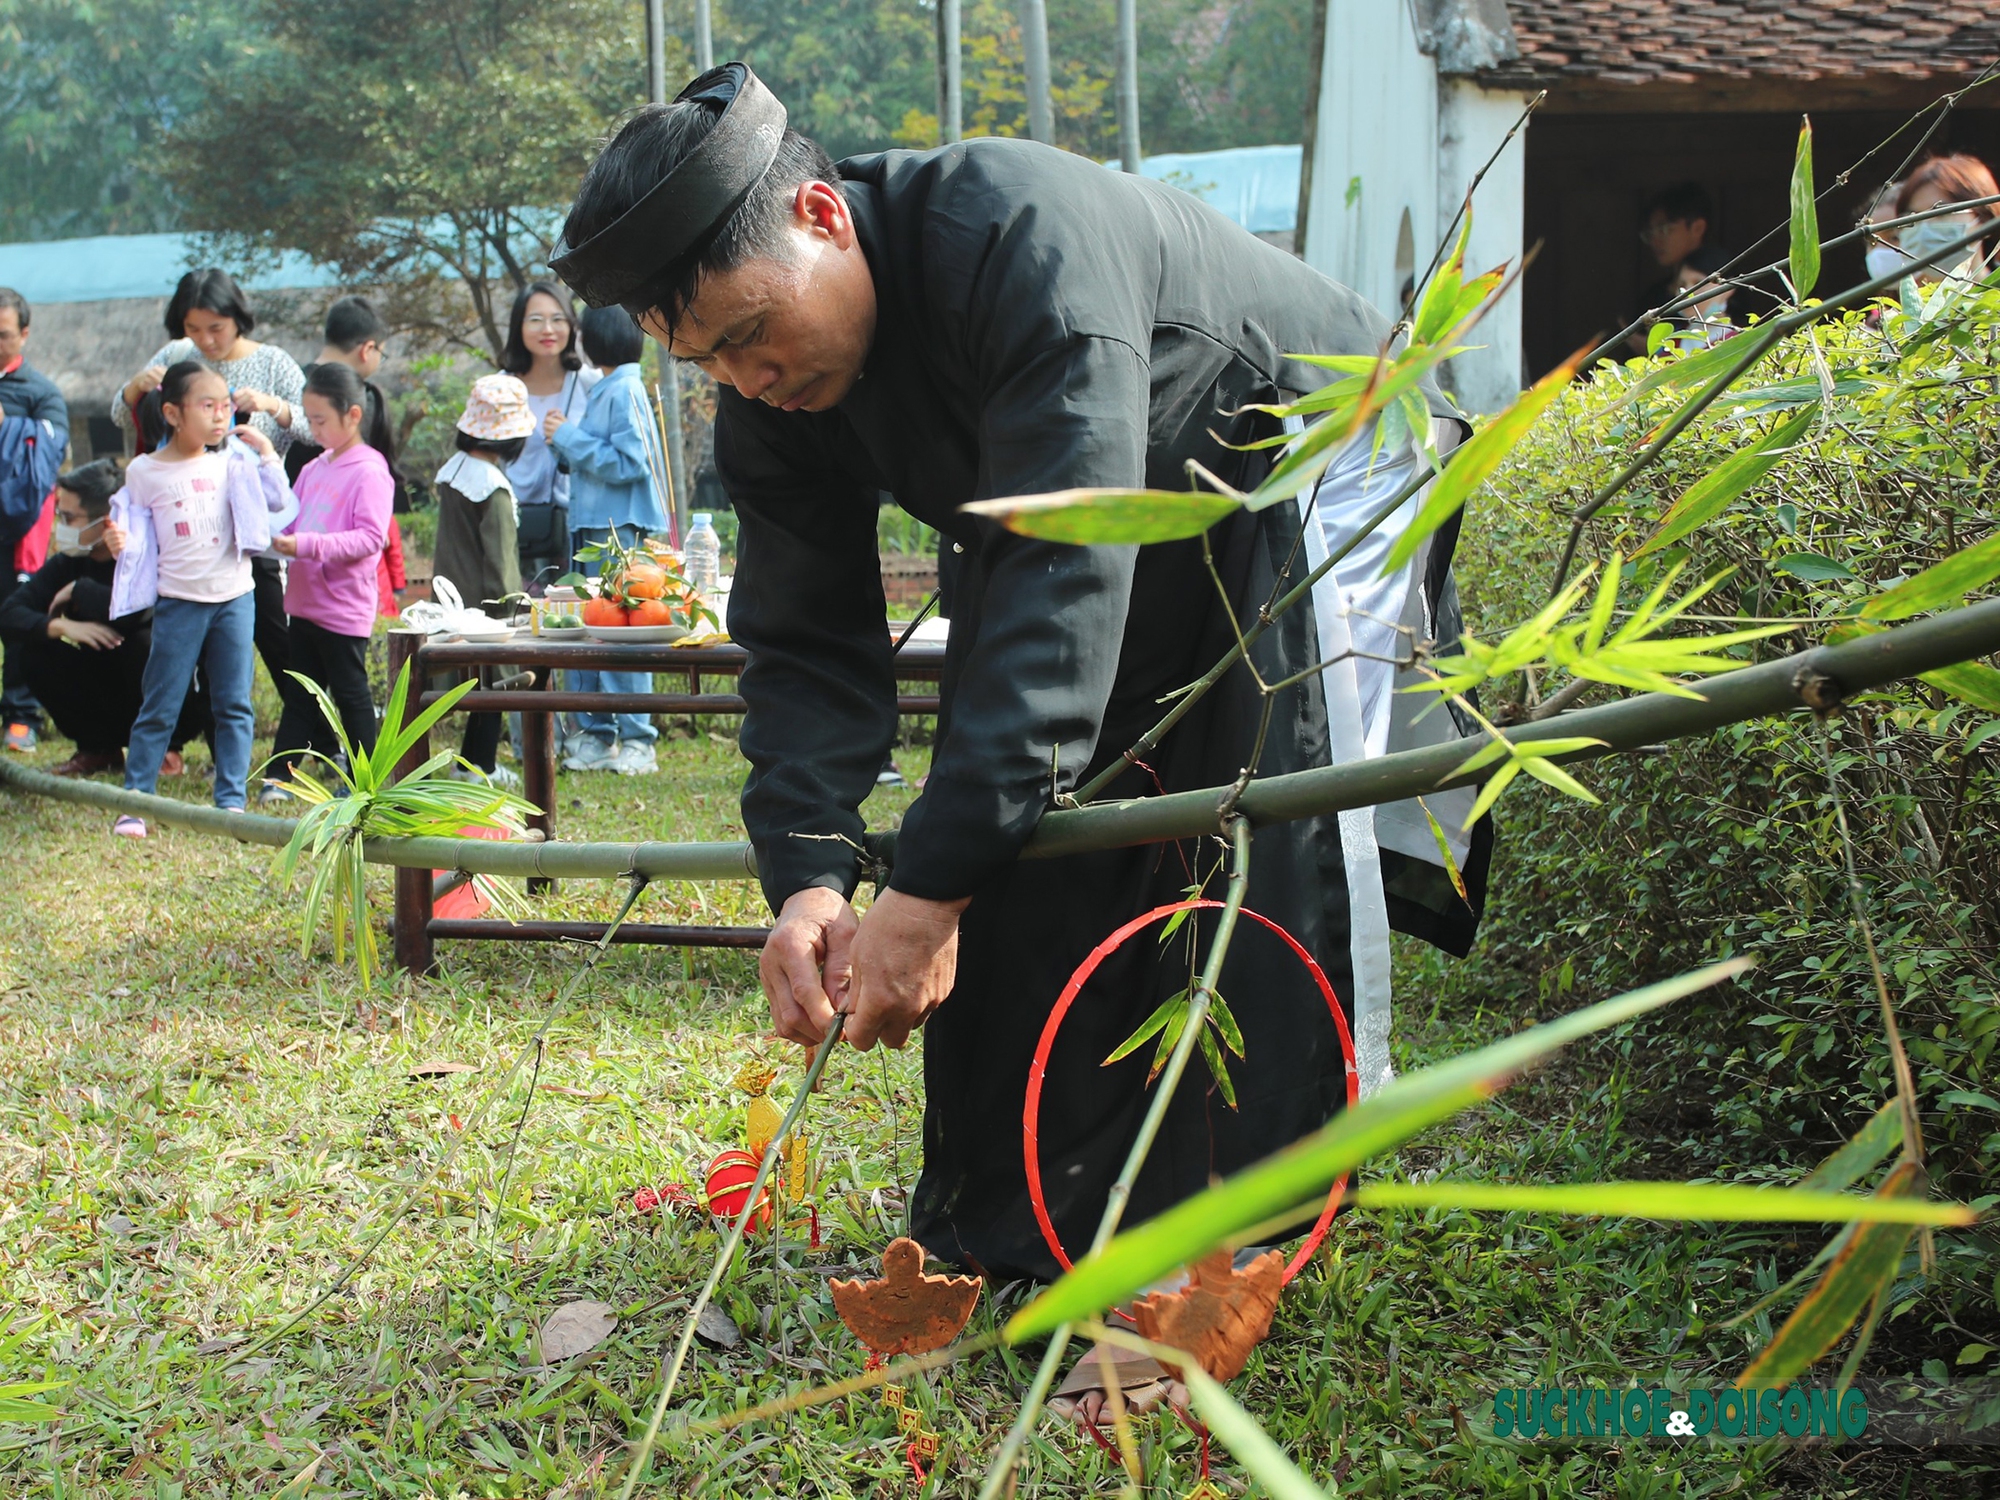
(345, 496)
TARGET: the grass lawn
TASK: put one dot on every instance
(199, 1127)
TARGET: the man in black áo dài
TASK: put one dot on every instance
(993, 318)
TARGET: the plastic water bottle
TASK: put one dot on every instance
(703, 555)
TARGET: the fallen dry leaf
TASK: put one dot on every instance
(716, 1327)
(905, 1312)
(573, 1093)
(1220, 1315)
(576, 1328)
(440, 1069)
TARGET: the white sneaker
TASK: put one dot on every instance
(636, 758)
(273, 795)
(499, 776)
(592, 754)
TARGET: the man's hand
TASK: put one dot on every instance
(806, 961)
(904, 962)
(98, 637)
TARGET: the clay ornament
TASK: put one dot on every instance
(906, 1311)
(1220, 1315)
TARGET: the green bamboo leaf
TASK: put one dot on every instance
(1665, 1200)
(1970, 681)
(1435, 309)
(1723, 485)
(1699, 368)
(1169, 1039)
(1152, 1024)
(1217, 1069)
(1246, 1439)
(1860, 1153)
(1476, 460)
(1444, 852)
(1805, 217)
(1103, 517)
(1555, 745)
(1558, 778)
(1490, 793)
(1186, 1232)
(1941, 586)
(1224, 1021)
(1856, 1277)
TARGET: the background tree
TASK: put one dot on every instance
(87, 93)
(421, 146)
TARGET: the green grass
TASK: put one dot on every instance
(198, 1127)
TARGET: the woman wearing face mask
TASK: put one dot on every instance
(1883, 254)
(84, 666)
(542, 350)
(1939, 182)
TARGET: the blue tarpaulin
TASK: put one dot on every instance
(110, 266)
(1257, 186)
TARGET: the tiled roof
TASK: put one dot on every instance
(1686, 41)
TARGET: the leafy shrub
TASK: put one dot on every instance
(1729, 844)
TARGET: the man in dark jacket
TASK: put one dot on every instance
(34, 435)
(994, 318)
(84, 666)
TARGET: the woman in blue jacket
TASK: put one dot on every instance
(611, 454)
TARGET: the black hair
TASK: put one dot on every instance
(504, 449)
(213, 290)
(151, 422)
(1682, 203)
(651, 144)
(337, 383)
(352, 322)
(93, 484)
(515, 358)
(11, 298)
(612, 337)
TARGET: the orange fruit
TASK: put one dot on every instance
(603, 612)
(641, 581)
(651, 612)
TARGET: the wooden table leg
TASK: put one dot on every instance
(412, 923)
(538, 770)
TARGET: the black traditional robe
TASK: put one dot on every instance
(1044, 323)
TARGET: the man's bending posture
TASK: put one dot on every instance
(994, 318)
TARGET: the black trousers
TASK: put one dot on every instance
(273, 634)
(339, 664)
(93, 696)
(481, 744)
(17, 699)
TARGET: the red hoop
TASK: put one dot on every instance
(1031, 1113)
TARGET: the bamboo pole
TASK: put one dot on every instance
(1820, 676)
(1128, 85)
(1035, 47)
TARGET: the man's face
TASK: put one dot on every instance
(12, 336)
(793, 332)
(1672, 240)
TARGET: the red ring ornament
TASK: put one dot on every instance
(728, 1188)
(1031, 1112)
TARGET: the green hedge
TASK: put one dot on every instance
(1729, 844)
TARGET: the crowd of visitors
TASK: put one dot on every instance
(258, 515)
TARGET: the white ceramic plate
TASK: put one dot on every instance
(487, 637)
(638, 635)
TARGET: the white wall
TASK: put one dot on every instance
(1375, 152)
(1395, 139)
(1472, 121)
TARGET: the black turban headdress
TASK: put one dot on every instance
(625, 259)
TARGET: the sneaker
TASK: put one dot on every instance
(171, 764)
(273, 795)
(636, 758)
(129, 827)
(90, 763)
(592, 754)
(499, 776)
(22, 738)
(890, 776)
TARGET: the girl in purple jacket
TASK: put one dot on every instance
(345, 496)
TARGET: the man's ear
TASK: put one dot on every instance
(820, 209)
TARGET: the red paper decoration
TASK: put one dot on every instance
(728, 1186)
